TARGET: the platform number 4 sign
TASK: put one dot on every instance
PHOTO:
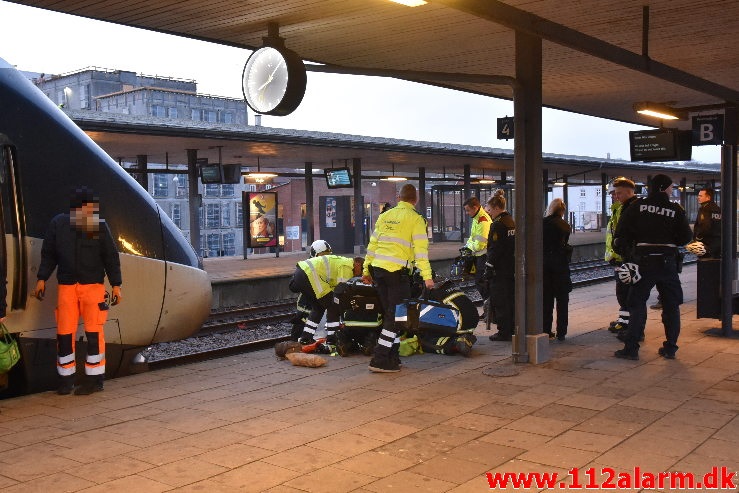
(708, 130)
(505, 128)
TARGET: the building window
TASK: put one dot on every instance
(582, 206)
(229, 244)
(226, 215)
(60, 98)
(172, 112)
(212, 117)
(252, 187)
(582, 192)
(176, 215)
(195, 115)
(227, 117)
(85, 96)
(182, 186)
(212, 216)
(227, 190)
(597, 191)
(158, 111)
(239, 215)
(160, 185)
(212, 245)
(212, 190)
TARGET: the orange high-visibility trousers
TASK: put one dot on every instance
(86, 300)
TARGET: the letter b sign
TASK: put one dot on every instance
(708, 130)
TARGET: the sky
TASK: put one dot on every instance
(43, 41)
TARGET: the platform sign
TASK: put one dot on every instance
(505, 128)
(708, 130)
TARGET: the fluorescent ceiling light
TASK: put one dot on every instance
(657, 110)
(410, 3)
(394, 178)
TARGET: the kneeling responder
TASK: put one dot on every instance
(79, 245)
(315, 278)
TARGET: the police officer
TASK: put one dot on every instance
(556, 262)
(477, 244)
(315, 278)
(500, 266)
(623, 194)
(707, 229)
(399, 239)
(81, 249)
(648, 235)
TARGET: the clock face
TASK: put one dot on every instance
(274, 81)
(265, 79)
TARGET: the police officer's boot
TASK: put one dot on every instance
(92, 383)
(66, 385)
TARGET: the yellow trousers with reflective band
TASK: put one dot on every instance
(85, 300)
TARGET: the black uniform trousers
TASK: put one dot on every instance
(656, 270)
(301, 284)
(480, 282)
(392, 288)
(502, 301)
(556, 286)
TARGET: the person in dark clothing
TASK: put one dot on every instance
(557, 282)
(500, 266)
(707, 229)
(80, 247)
(648, 236)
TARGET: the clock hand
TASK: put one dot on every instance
(270, 78)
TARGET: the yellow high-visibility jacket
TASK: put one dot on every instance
(479, 231)
(326, 271)
(399, 239)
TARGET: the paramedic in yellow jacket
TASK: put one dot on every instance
(477, 244)
(315, 278)
(399, 240)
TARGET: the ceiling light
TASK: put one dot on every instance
(410, 3)
(484, 181)
(394, 177)
(260, 176)
(658, 110)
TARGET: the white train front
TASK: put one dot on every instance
(43, 155)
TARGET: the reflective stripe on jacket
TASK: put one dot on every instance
(610, 229)
(479, 231)
(326, 271)
(399, 239)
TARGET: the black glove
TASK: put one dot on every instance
(489, 271)
(465, 251)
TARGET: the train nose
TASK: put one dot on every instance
(187, 301)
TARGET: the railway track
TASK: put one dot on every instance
(248, 328)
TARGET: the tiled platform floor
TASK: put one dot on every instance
(252, 423)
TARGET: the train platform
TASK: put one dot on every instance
(265, 265)
(252, 423)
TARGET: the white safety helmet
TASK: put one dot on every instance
(628, 273)
(696, 248)
(319, 246)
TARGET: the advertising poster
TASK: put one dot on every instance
(330, 212)
(262, 219)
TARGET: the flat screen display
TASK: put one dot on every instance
(210, 173)
(231, 173)
(665, 144)
(338, 178)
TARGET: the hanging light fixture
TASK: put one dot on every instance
(410, 3)
(560, 182)
(658, 110)
(259, 176)
(394, 177)
(483, 180)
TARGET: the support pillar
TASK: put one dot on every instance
(141, 165)
(310, 223)
(529, 343)
(728, 218)
(194, 200)
(359, 246)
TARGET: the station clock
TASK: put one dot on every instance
(274, 81)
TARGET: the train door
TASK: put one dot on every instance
(12, 230)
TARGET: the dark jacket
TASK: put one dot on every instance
(502, 245)
(707, 228)
(80, 257)
(556, 234)
(654, 222)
